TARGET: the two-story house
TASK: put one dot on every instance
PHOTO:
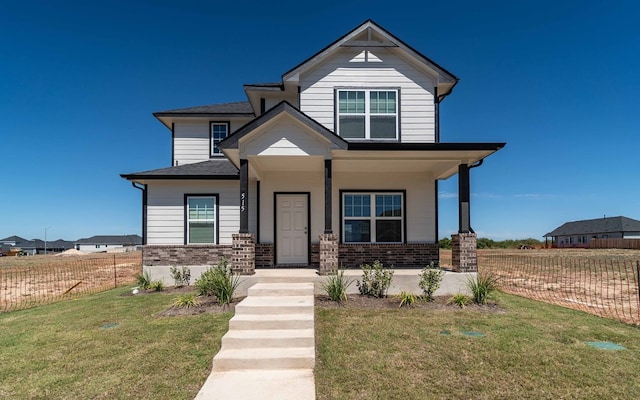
(335, 165)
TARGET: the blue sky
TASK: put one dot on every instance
(557, 80)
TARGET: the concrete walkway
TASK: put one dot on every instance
(269, 350)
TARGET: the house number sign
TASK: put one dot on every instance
(243, 197)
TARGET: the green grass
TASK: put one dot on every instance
(60, 351)
(531, 351)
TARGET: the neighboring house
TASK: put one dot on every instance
(37, 246)
(104, 243)
(335, 165)
(580, 233)
(12, 240)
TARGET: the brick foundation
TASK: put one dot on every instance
(264, 255)
(328, 254)
(243, 257)
(464, 253)
(400, 255)
(178, 255)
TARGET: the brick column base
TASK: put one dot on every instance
(464, 254)
(243, 253)
(328, 254)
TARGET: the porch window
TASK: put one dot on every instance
(219, 131)
(373, 217)
(201, 218)
(367, 114)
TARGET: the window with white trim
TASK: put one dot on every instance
(373, 217)
(201, 219)
(219, 131)
(367, 114)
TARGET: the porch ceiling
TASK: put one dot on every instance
(439, 164)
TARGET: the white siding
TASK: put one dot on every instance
(165, 209)
(191, 141)
(387, 71)
(191, 138)
(285, 138)
(420, 213)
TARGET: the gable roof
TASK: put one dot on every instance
(40, 244)
(218, 168)
(112, 239)
(282, 108)
(598, 225)
(13, 238)
(446, 80)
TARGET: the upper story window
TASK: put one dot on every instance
(367, 114)
(219, 131)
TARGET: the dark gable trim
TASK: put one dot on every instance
(173, 144)
(404, 209)
(275, 224)
(186, 220)
(393, 146)
(211, 123)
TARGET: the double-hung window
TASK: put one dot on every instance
(219, 131)
(201, 218)
(367, 114)
(373, 217)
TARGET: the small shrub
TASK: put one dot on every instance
(181, 276)
(482, 287)
(375, 279)
(144, 280)
(460, 299)
(219, 281)
(336, 286)
(188, 300)
(158, 286)
(430, 279)
(406, 299)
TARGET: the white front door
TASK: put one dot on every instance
(292, 216)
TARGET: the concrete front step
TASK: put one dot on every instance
(269, 321)
(264, 358)
(253, 338)
(275, 305)
(281, 289)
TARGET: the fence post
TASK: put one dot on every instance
(638, 282)
(115, 273)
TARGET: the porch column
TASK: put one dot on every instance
(328, 228)
(464, 219)
(243, 253)
(244, 196)
(464, 253)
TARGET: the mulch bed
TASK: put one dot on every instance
(209, 305)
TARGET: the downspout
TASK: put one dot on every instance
(143, 188)
(474, 165)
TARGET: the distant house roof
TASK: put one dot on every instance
(211, 169)
(41, 244)
(598, 225)
(14, 238)
(125, 240)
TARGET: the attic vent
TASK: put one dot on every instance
(365, 56)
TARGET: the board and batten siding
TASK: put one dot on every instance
(191, 138)
(347, 69)
(165, 209)
(420, 191)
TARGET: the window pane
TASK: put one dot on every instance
(357, 231)
(201, 208)
(357, 205)
(352, 127)
(388, 230)
(218, 133)
(383, 127)
(351, 101)
(201, 232)
(388, 205)
(382, 102)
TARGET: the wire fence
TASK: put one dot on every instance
(31, 281)
(606, 286)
